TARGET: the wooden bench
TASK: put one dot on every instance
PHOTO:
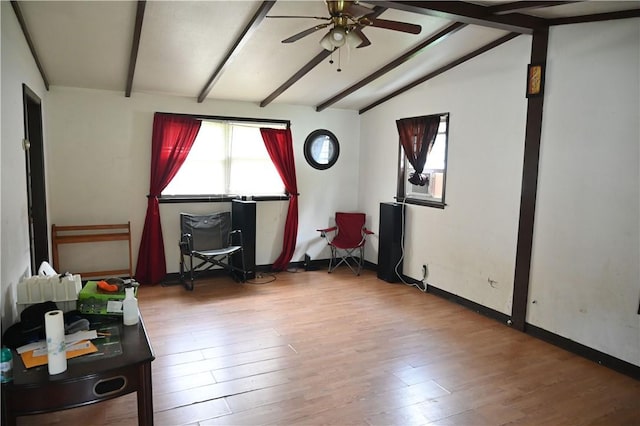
(92, 234)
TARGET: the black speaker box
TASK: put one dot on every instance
(243, 217)
(390, 241)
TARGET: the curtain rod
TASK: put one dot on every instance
(224, 118)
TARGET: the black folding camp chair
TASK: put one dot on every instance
(209, 240)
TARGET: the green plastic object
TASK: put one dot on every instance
(92, 300)
(6, 365)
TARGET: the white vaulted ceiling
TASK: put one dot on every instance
(88, 44)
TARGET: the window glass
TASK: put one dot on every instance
(435, 170)
(252, 172)
(227, 159)
(322, 149)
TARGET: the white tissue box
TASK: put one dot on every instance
(61, 290)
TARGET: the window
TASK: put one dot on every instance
(321, 149)
(434, 172)
(228, 158)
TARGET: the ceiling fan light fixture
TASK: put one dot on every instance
(326, 43)
(338, 36)
(334, 39)
(353, 39)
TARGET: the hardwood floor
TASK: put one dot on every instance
(313, 348)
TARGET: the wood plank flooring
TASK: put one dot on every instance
(312, 348)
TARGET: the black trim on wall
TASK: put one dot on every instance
(569, 345)
(476, 307)
(591, 354)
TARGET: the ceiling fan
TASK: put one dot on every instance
(347, 19)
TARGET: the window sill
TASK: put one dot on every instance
(426, 203)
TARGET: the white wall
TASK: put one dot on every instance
(473, 239)
(18, 67)
(100, 150)
(585, 276)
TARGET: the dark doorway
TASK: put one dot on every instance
(36, 190)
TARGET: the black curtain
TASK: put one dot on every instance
(417, 136)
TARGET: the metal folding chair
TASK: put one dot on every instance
(347, 239)
(210, 241)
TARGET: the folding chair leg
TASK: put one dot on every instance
(230, 268)
(183, 271)
(332, 259)
(190, 286)
(355, 261)
(238, 273)
(244, 268)
(361, 260)
(181, 268)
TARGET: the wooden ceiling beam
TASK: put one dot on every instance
(469, 13)
(421, 48)
(27, 36)
(135, 44)
(297, 76)
(442, 69)
(248, 31)
(504, 8)
(609, 16)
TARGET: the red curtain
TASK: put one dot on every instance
(172, 139)
(280, 148)
(417, 136)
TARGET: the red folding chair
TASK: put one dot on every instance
(347, 240)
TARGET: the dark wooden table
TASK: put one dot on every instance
(86, 381)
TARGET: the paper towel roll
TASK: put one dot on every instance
(56, 347)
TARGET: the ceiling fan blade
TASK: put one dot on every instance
(324, 18)
(392, 25)
(356, 11)
(365, 41)
(304, 33)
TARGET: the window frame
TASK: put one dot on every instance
(401, 190)
(225, 198)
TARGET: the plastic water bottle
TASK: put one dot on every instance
(6, 365)
(129, 307)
